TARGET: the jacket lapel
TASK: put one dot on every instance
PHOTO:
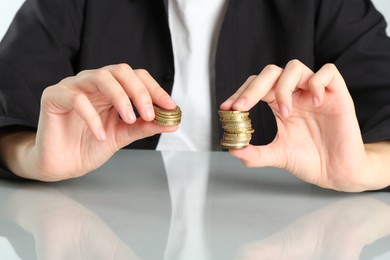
(166, 7)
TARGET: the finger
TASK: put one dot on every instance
(227, 105)
(135, 89)
(68, 100)
(258, 89)
(104, 81)
(328, 77)
(159, 96)
(295, 76)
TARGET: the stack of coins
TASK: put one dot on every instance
(166, 117)
(237, 129)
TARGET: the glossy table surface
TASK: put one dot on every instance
(196, 205)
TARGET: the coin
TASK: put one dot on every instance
(238, 125)
(237, 129)
(227, 145)
(232, 112)
(235, 137)
(163, 117)
(167, 122)
(167, 117)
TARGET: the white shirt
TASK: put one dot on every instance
(194, 26)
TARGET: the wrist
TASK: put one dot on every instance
(17, 153)
(376, 173)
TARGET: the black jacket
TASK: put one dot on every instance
(52, 39)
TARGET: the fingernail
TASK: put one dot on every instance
(226, 103)
(284, 112)
(316, 101)
(170, 102)
(130, 115)
(149, 112)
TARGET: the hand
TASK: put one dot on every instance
(337, 231)
(79, 127)
(318, 138)
(63, 228)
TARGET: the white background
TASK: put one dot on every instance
(384, 7)
(9, 7)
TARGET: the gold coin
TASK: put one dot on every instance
(236, 141)
(230, 144)
(236, 122)
(161, 111)
(232, 112)
(237, 147)
(160, 118)
(236, 126)
(227, 145)
(234, 119)
(233, 115)
(167, 117)
(236, 134)
(236, 138)
(239, 131)
(167, 122)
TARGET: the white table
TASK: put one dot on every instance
(203, 205)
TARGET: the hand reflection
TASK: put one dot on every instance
(62, 228)
(338, 231)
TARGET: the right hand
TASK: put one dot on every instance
(79, 128)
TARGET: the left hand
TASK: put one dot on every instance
(318, 234)
(318, 138)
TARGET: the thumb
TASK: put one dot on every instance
(128, 133)
(258, 156)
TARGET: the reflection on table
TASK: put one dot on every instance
(190, 205)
